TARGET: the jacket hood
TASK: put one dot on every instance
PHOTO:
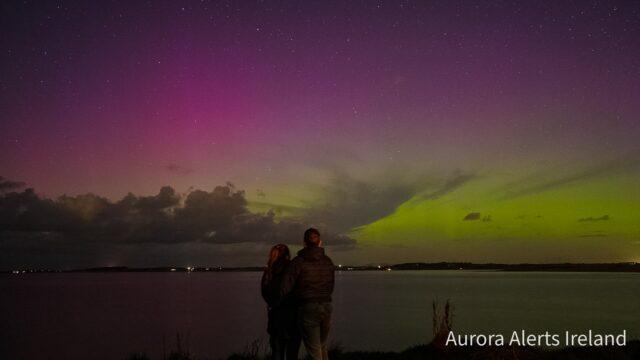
(311, 252)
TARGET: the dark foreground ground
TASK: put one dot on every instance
(631, 351)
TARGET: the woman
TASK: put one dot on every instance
(282, 327)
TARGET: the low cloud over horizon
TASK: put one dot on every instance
(90, 230)
(388, 216)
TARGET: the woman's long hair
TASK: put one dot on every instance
(278, 257)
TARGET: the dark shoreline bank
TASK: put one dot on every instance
(555, 267)
(628, 352)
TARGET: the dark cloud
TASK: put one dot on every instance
(625, 163)
(347, 202)
(177, 169)
(452, 184)
(472, 216)
(88, 221)
(7, 185)
(601, 218)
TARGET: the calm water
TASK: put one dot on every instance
(108, 316)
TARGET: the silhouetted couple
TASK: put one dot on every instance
(298, 295)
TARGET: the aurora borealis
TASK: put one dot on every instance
(422, 130)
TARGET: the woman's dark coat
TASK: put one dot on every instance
(281, 312)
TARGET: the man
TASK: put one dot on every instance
(310, 278)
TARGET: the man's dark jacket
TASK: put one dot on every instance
(309, 277)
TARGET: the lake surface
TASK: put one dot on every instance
(109, 316)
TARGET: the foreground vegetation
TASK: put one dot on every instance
(436, 349)
(630, 352)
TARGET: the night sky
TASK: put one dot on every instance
(487, 131)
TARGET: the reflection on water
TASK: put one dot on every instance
(110, 316)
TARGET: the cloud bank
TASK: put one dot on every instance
(31, 224)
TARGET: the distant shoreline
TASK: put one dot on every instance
(556, 267)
